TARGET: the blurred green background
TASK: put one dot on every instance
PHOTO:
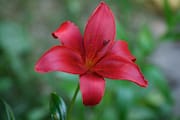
(152, 29)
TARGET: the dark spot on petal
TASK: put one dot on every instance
(105, 42)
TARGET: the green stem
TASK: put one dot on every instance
(72, 103)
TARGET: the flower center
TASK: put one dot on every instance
(89, 63)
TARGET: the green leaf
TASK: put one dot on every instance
(158, 80)
(145, 41)
(120, 32)
(5, 111)
(57, 107)
(144, 45)
(14, 42)
(171, 35)
(141, 113)
(5, 83)
(168, 13)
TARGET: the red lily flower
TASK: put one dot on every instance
(94, 57)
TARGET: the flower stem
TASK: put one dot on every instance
(72, 103)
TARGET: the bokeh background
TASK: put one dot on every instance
(152, 29)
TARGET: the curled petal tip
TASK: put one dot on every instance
(145, 84)
(102, 3)
(69, 35)
(38, 69)
(54, 36)
(64, 26)
(60, 29)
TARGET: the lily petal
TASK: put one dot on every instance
(99, 29)
(60, 58)
(92, 87)
(120, 48)
(115, 67)
(69, 35)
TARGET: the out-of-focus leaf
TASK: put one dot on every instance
(141, 113)
(37, 114)
(157, 79)
(5, 83)
(124, 101)
(125, 6)
(57, 107)
(122, 35)
(13, 38)
(157, 102)
(144, 44)
(145, 41)
(109, 114)
(172, 35)
(64, 79)
(155, 98)
(66, 76)
(173, 22)
(124, 96)
(176, 17)
(14, 42)
(168, 13)
(120, 32)
(5, 111)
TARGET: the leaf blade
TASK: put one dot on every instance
(57, 107)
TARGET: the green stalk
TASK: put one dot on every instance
(72, 103)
